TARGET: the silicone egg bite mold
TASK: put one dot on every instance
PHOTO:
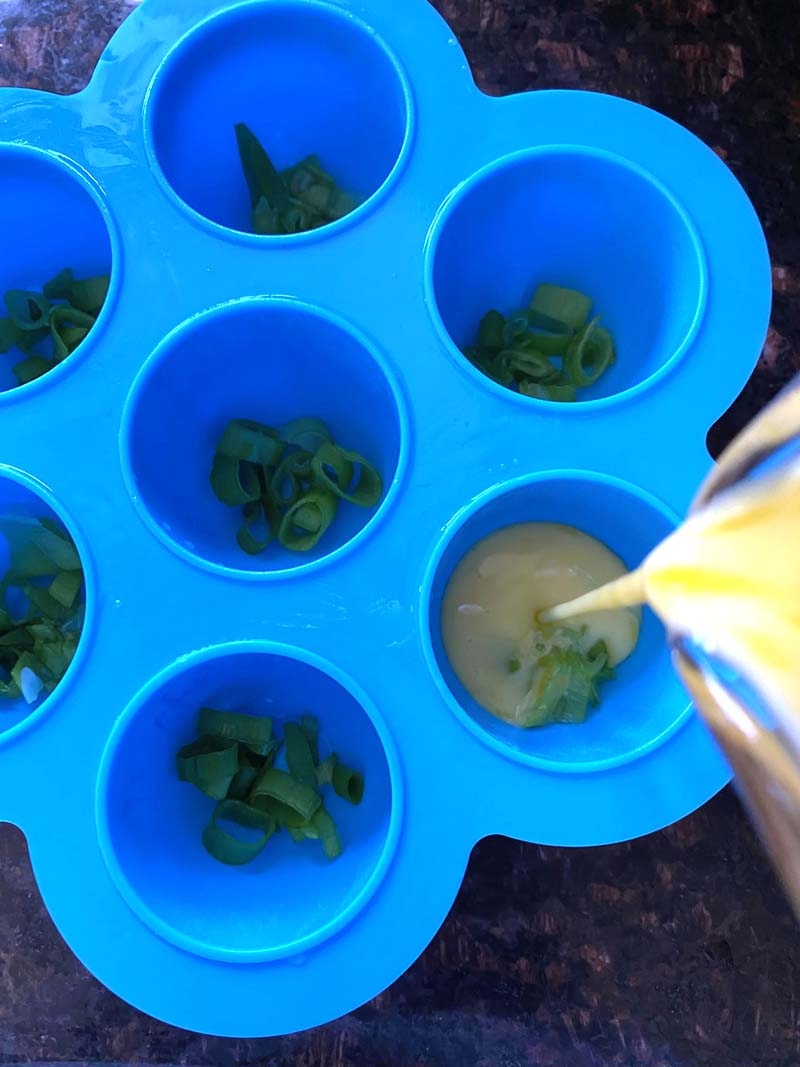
(466, 203)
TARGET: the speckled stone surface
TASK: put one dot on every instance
(676, 950)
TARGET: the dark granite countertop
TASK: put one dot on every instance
(675, 950)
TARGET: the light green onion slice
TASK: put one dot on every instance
(26, 309)
(65, 587)
(559, 310)
(307, 520)
(308, 434)
(334, 469)
(287, 800)
(299, 758)
(327, 833)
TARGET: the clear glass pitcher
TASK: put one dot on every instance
(762, 743)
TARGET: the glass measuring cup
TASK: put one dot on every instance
(760, 741)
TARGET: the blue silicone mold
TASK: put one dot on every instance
(467, 202)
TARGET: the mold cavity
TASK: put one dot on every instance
(290, 897)
(584, 220)
(37, 545)
(645, 702)
(268, 360)
(48, 221)
(304, 77)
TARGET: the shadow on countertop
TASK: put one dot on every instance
(675, 950)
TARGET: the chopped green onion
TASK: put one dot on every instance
(209, 763)
(26, 309)
(250, 440)
(290, 802)
(227, 848)
(327, 833)
(560, 309)
(348, 784)
(255, 731)
(299, 758)
(234, 481)
(307, 520)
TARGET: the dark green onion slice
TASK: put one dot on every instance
(332, 460)
(251, 440)
(243, 781)
(348, 784)
(307, 434)
(327, 833)
(559, 310)
(89, 294)
(210, 764)
(528, 363)
(255, 731)
(260, 526)
(287, 483)
(307, 520)
(490, 330)
(234, 481)
(9, 334)
(299, 757)
(263, 180)
(27, 310)
(60, 287)
(30, 368)
(227, 848)
(286, 799)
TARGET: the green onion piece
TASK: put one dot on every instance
(89, 294)
(333, 469)
(490, 330)
(588, 355)
(44, 603)
(326, 830)
(65, 587)
(290, 802)
(559, 310)
(264, 219)
(307, 520)
(299, 758)
(234, 481)
(263, 180)
(227, 848)
(9, 334)
(210, 764)
(528, 363)
(310, 727)
(72, 336)
(250, 440)
(55, 544)
(60, 287)
(307, 434)
(286, 485)
(261, 521)
(31, 368)
(242, 782)
(553, 391)
(549, 344)
(326, 768)
(27, 310)
(348, 784)
(255, 731)
(27, 340)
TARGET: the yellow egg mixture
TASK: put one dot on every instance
(495, 593)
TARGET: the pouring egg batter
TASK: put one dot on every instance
(524, 672)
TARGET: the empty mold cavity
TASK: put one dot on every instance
(49, 219)
(639, 708)
(268, 360)
(290, 897)
(579, 218)
(24, 501)
(305, 77)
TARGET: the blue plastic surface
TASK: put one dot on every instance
(468, 203)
